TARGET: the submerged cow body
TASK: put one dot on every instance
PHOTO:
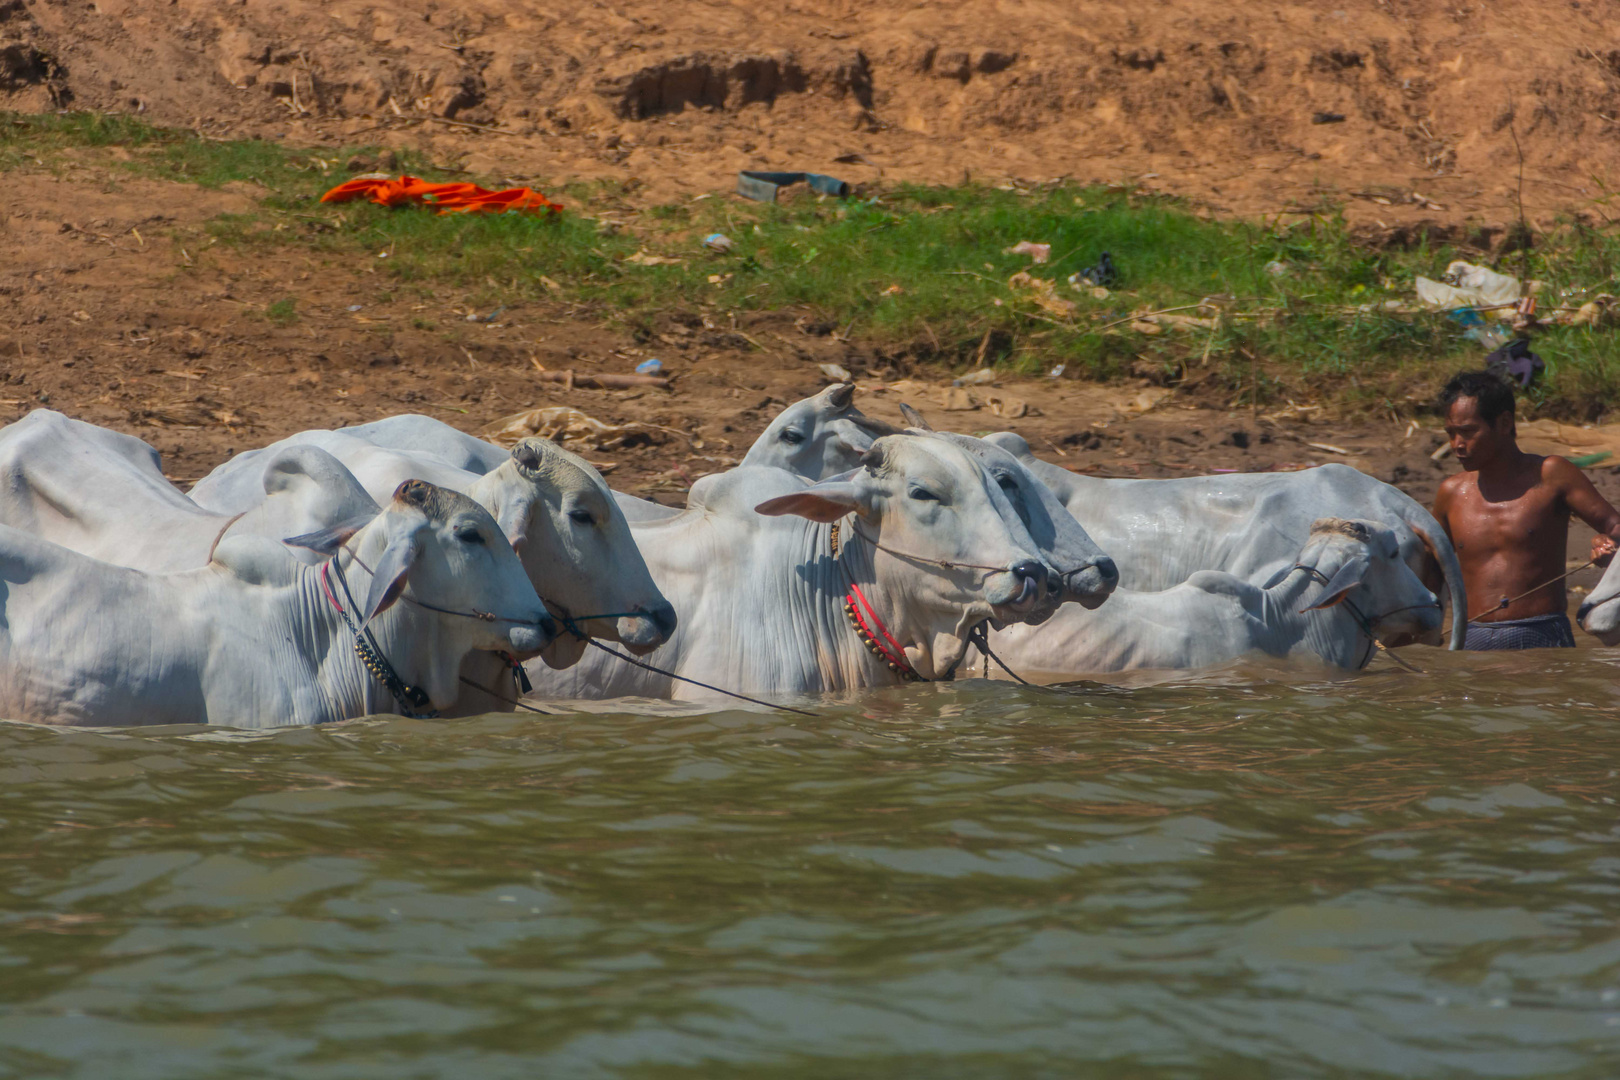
(256, 638)
(1161, 532)
(1344, 593)
(765, 568)
(103, 494)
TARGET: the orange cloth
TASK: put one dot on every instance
(449, 198)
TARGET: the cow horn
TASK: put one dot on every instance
(914, 418)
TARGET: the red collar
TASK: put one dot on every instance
(876, 635)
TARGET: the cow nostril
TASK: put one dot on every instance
(1029, 570)
(1107, 570)
(663, 616)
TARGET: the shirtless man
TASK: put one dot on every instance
(1507, 515)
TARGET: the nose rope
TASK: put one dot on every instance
(481, 616)
(946, 563)
(1506, 600)
(694, 682)
(412, 700)
(1365, 625)
(980, 636)
(571, 623)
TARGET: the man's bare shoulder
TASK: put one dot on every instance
(1555, 467)
(1456, 483)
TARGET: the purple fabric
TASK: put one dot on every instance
(1541, 632)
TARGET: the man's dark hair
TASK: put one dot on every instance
(1491, 394)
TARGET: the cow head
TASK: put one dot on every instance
(1360, 564)
(575, 544)
(1084, 574)
(818, 436)
(938, 541)
(437, 559)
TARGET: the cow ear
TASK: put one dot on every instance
(388, 576)
(914, 419)
(826, 501)
(1348, 577)
(326, 541)
(1278, 578)
(851, 438)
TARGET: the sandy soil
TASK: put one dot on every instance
(1408, 109)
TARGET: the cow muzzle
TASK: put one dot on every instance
(649, 628)
(527, 639)
(1090, 585)
(1020, 591)
(1601, 619)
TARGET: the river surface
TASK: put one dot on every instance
(1257, 872)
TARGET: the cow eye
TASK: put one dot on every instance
(792, 437)
(1008, 484)
(582, 516)
(923, 495)
(469, 535)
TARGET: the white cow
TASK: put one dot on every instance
(256, 638)
(103, 494)
(818, 436)
(1160, 532)
(926, 549)
(1599, 613)
(553, 507)
(1346, 587)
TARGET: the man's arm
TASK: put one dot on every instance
(1442, 506)
(1585, 503)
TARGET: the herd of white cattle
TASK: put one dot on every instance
(403, 566)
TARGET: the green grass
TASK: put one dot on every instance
(920, 273)
(283, 312)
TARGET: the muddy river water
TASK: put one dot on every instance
(1256, 872)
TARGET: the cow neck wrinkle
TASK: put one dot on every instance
(412, 700)
(1284, 601)
(862, 616)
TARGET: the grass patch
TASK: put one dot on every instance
(283, 312)
(924, 272)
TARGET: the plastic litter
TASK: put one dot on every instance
(1038, 253)
(654, 366)
(1057, 372)
(1515, 361)
(1492, 337)
(1104, 273)
(976, 378)
(719, 242)
(1467, 285)
(837, 373)
(1276, 268)
(763, 186)
(475, 317)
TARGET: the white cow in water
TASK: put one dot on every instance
(1346, 588)
(103, 494)
(256, 638)
(553, 507)
(825, 435)
(1599, 613)
(1161, 532)
(926, 549)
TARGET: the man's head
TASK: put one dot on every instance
(1477, 407)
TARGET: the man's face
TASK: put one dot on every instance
(1474, 440)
